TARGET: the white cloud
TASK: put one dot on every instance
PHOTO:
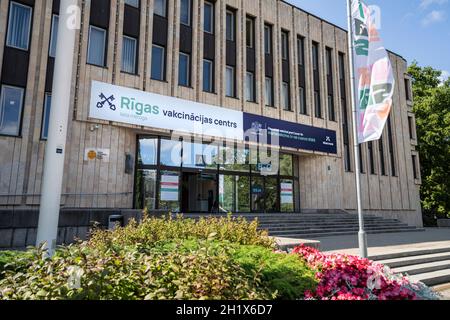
(434, 16)
(444, 76)
(424, 4)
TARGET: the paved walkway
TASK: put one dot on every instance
(389, 242)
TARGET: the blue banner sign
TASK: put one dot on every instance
(292, 135)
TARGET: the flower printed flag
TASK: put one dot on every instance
(373, 74)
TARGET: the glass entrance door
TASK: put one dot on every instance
(199, 192)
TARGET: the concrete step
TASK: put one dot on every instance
(409, 253)
(433, 278)
(331, 226)
(344, 233)
(344, 229)
(415, 260)
(423, 267)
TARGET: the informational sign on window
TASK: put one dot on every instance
(169, 187)
(287, 193)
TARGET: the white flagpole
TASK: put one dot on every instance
(362, 236)
(57, 132)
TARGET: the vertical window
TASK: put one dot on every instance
(11, 103)
(411, 127)
(96, 47)
(361, 160)
(317, 105)
(371, 157)
(19, 25)
(230, 25)
(208, 23)
(345, 121)
(184, 70)
(53, 36)
(285, 96)
(268, 91)
(208, 76)
(284, 45)
(407, 90)
(302, 75)
(129, 54)
(250, 33)
(133, 3)
(158, 63)
(302, 100)
(46, 116)
(330, 89)
(414, 163)
(160, 7)
(317, 100)
(301, 51)
(229, 74)
(267, 39)
(185, 12)
(391, 148)
(382, 160)
(250, 87)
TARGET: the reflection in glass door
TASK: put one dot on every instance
(234, 193)
(271, 194)
(145, 195)
(258, 194)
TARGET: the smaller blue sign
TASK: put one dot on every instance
(290, 134)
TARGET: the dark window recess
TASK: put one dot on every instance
(382, 160)
(407, 90)
(411, 127)
(209, 47)
(268, 64)
(414, 163)
(160, 34)
(231, 58)
(362, 169)
(391, 148)
(301, 75)
(100, 12)
(285, 85)
(250, 82)
(330, 87)
(344, 108)
(316, 80)
(131, 29)
(371, 157)
(185, 65)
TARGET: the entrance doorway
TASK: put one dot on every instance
(199, 192)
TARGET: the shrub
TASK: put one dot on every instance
(13, 260)
(85, 272)
(346, 277)
(283, 274)
(153, 230)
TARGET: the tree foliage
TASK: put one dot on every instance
(432, 110)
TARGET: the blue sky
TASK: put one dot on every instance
(415, 29)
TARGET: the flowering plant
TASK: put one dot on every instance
(346, 277)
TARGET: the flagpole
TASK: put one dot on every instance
(362, 236)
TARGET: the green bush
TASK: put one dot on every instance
(166, 258)
(153, 230)
(283, 273)
(13, 260)
(205, 272)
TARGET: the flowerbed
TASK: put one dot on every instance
(346, 277)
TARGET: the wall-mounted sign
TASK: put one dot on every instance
(126, 105)
(169, 187)
(91, 154)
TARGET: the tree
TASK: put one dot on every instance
(432, 110)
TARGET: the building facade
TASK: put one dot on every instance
(261, 57)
